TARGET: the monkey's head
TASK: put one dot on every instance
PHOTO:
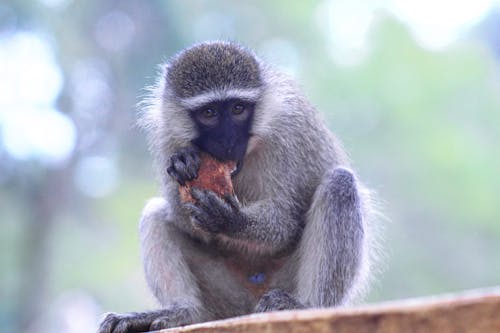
(216, 85)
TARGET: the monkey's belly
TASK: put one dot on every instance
(254, 276)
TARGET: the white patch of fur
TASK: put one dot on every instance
(194, 102)
(254, 143)
(156, 206)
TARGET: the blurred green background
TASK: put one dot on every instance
(412, 88)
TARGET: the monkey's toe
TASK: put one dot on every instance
(165, 322)
(277, 300)
(114, 323)
(108, 323)
(123, 326)
(160, 323)
(125, 323)
(171, 318)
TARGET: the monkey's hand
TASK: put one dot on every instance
(214, 214)
(184, 165)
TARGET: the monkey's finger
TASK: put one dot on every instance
(211, 203)
(191, 167)
(232, 200)
(218, 210)
(178, 162)
(220, 205)
(174, 158)
(201, 198)
(192, 208)
(181, 168)
(193, 154)
(214, 199)
(173, 173)
(196, 158)
(197, 212)
(202, 219)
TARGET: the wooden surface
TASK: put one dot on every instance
(476, 311)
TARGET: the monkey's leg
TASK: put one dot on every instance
(167, 274)
(331, 248)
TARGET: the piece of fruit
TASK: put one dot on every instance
(213, 175)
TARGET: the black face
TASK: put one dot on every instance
(224, 128)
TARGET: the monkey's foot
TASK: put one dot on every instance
(145, 321)
(276, 300)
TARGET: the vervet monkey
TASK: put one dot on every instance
(296, 233)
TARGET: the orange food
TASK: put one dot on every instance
(213, 175)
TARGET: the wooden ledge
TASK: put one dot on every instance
(473, 311)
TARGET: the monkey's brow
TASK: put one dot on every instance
(249, 95)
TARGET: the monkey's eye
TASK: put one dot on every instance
(208, 113)
(238, 109)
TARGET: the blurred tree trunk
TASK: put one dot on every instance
(44, 201)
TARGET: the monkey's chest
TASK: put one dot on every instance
(254, 276)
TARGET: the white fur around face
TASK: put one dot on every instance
(220, 94)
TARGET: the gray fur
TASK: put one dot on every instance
(210, 66)
(297, 202)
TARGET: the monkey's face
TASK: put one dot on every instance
(224, 129)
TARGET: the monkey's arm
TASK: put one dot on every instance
(265, 225)
(167, 275)
(268, 225)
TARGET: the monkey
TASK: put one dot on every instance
(298, 231)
